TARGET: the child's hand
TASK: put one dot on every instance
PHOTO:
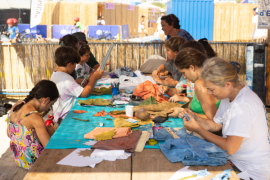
(51, 129)
(163, 89)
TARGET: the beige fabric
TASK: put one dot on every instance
(152, 63)
(161, 109)
(141, 143)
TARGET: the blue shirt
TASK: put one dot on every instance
(183, 33)
(12, 31)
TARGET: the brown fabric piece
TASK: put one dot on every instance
(119, 132)
(128, 143)
(147, 89)
(161, 109)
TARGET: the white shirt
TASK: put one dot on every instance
(100, 22)
(159, 24)
(69, 91)
(258, 33)
(246, 117)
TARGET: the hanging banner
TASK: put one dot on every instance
(130, 7)
(109, 6)
(264, 14)
(37, 7)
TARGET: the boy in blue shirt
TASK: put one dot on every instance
(13, 30)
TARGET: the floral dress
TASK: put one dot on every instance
(24, 144)
(186, 84)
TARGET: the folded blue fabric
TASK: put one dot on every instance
(192, 150)
(161, 134)
(225, 175)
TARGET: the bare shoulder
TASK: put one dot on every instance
(199, 85)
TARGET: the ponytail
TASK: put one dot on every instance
(42, 89)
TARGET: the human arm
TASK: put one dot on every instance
(253, 29)
(40, 128)
(92, 80)
(231, 144)
(160, 69)
(167, 82)
(206, 100)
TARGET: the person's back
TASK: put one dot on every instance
(25, 127)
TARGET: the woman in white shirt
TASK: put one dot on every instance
(241, 116)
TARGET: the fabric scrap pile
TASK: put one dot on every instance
(79, 111)
(101, 91)
(101, 113)
(95, 102)
(192, 150)
(147, 89)
(119, 132)
(123, 122)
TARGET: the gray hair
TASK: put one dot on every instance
(219, 71)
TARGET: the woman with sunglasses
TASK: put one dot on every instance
(171, 27)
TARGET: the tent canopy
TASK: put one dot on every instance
(15, 4)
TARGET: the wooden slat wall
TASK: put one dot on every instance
(50, 14)
(233, 21)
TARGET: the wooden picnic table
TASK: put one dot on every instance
(150, 164)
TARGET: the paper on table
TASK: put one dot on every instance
(90, 143)
(107, 81)
(185, 172)
(120, 102)
(110, 155)
(74, 159)
(243, 175)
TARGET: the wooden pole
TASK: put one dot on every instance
(268, 70)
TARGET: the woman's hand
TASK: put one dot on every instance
(177, 98)
(163, 89)
(186, 111)
(176, 111)
(51, 129)
(191, 124)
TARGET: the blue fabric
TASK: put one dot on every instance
(72, 130)
(192, 150)
(225, 175)
(202, 173)
(125, 31)
(37, 30)
(161, 134)
(113, 29)
(183, 33)
(12, 32)
(61, 30)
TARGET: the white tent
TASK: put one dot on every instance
(147, 4)
(15, 4)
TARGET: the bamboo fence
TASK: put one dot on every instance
(23, 65)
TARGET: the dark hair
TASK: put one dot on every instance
(143, 16)
(174, 42)
(65, 55)
(236, 65)
(194, 45)
(189, 56)
(209, 50)
(84, 48)
(172, 20)
(69, 40)
(81, 36)
(42, 89)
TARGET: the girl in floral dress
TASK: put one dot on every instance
(26, 128)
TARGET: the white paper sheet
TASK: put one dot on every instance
(184, 172)
(110, 155)
(75, 159)
(107, 81)
(243, 175)
(120, 102)
(90, 143)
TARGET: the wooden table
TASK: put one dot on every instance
(150, 164)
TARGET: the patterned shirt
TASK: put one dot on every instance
(82, 70)
(183, 33)
(186, 84)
